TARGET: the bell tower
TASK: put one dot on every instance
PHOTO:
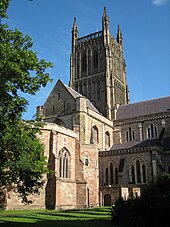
(98, 69)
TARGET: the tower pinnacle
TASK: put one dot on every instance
(75, 24)
(105, 19)
(119, 36)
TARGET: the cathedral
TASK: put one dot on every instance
(98, 144)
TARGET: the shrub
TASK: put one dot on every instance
(151, 209)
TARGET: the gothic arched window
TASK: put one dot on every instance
(111, 173)
(107, 139)
(94, 136)
(130, 135)
(144, 173)
(106, 176)
(64, 163)
(152, 132)
(84, 65)
(95, 59)
(138, 172)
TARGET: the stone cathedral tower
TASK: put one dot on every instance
(98, 69)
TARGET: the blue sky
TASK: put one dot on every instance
(145, 25)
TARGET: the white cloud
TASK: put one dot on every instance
(159, 2)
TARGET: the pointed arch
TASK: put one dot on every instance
(94, 135)
(152, 131)
(64, 157)
(84, 64)
(111, 173)
(144, 173)
(107, 139)
(138, 172)
(95, 59)
(107, 200)
(106, 176)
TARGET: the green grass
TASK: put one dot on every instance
(100, 217)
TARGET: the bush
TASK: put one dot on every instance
(151, 209)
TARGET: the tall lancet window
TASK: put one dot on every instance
(94, 135)
(84, 65)
(95, 59)
(138, 172)
(111, 173)
(106, 176)
(107, 139)
(64, 163)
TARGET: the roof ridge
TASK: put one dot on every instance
(69, 88)
(145, 101)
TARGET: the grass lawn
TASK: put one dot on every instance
(100, 217)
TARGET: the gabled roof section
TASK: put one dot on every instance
(153, 106)
(75, 95)
(165, 144)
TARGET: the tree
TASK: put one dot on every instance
(22, 162)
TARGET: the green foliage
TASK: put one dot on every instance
(151, 209)
(3, 7)
(22, 161)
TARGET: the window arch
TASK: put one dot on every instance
(152, 131)
(95, 59)
(106, 176)
(111, 173)
(94, 136)
(144, 173)
(107, 200)
(107, 139)
(130, 134)
(64, 163)
(84, 65)
(137, 171)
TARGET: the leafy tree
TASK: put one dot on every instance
(22, 162)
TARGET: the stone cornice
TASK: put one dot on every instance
(140, 119)
(59, 129)
(127, 151)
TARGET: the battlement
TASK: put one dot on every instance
(91, 36)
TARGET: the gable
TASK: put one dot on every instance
(59, 102)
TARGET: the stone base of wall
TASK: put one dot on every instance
(15, 203)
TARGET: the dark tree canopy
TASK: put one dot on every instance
(22, 162)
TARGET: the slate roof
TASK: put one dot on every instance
(146, 143)
(139, 109)
(75, 95)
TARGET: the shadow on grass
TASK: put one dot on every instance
(61, 223)
(73, 218)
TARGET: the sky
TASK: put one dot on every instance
(145, 26)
